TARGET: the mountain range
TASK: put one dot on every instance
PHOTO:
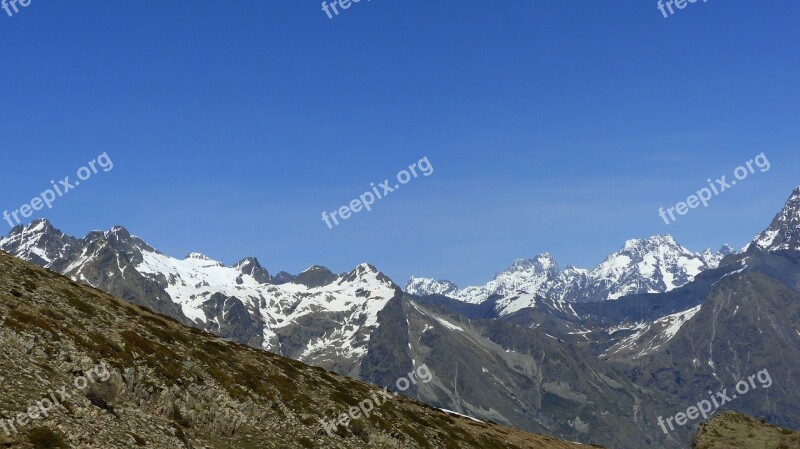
(83, 369)
(654, 265)
(587, 355)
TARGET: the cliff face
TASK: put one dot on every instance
(81, 368)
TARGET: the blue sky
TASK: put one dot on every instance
(551, 126)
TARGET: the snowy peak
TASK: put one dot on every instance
(654, 265)
(651, 242)
(120, 240)
(367, 274)
(118, 232)
(784, 231)
(197, 256)
(39, 226)
(713, 259)
(543, 263)
(201, 260)
(247, 263)
(529, 275)
(427, 286)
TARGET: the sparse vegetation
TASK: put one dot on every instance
(731, 430)
(44, 438)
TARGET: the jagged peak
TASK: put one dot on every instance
(313, 268)
(38, 242)
(251, 266)
(426, 286)
(283, 277)
(416, 279)
(365, 272)
(203, 258)
(365, 268)
(784, 231)
(119, 232)
(39, 225)
(654, 240)
(247, 262)
(41, 222)
(572, 269)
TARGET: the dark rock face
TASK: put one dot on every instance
(315, 276)
(251, 267)
(228, 317)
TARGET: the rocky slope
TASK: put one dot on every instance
(166, 385)
(515, 375)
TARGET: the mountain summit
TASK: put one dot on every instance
(784, 231)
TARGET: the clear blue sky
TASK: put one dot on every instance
(557, 126)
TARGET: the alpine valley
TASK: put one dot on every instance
(590, 355)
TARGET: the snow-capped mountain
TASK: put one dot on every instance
(533, 274)
(39, 243)
(317, 317)
(654, 265)
(428, 286)
(784, 231)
